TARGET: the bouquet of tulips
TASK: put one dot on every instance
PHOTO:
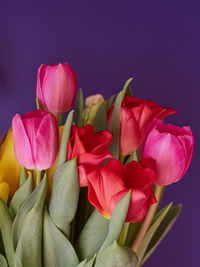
(85, 191)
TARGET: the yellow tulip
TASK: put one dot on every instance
(4, 191)
(9, 167)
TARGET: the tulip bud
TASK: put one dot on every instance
(171, 147)
(56, 87)
(35, 138)
(4, 191)
(92, 104)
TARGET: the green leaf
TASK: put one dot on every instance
(20, 196)
(24, 210)
(132, 233)
(110, 101)
(147, 239)
(79, 108)
(58, 251)
(116, 255)
(23, 176)
(5, 226)
(64, 197)
(115, 121)
(91, 239)
(162, 230)
(3, 262)
(86, 263)
(117, 220)
(100, 122)
(29, 246)
(38, 104)
(64, 141)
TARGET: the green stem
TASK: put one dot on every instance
(147, 221)
(38, 177)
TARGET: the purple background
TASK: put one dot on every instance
(107, 42)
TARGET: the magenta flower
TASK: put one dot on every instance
(56, 87)
(171, 147)
(35, 138)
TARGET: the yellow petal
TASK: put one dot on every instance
(4, 191)
(9, 166)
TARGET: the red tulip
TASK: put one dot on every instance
(89, 148)
(135, 115)
(35, 138)
(56, 87)
(109, 184)
(171, 147)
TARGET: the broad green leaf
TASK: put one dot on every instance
(57, 250)
(20, 196)
(79, 108)
(5, 226)
(115, 121)
(100, 122)
(147, 239)
(24, 210)
(162, 230)
(23, 176)
(29, 246)
(3, 262)
(86, 263)
(92, 236)
(64, 197)
(117, 220)
(116, 255)
(2, 250)
(64, 141)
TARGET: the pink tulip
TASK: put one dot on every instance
(35, 138)
(56, 87)
(171, 147)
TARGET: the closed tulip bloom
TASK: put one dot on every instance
(4, 191)
(135, 116)
(35, 138)
(110, 183)
(89, 147)
(56, 87)
(9, 167)
(171, 147)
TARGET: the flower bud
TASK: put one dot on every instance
(56, 87)
(4, 191)
(35, 138)
(92, 104)
(172, 149)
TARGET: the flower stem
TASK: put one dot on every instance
(147, 221)
(38, 177)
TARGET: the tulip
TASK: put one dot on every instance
(56, 87)
(35, 137)
(89, 147)
(9, 166)
(110, 183)
(4, 191)
(171, 147)
(135, 116)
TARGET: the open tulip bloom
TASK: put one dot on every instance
(87, 192)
